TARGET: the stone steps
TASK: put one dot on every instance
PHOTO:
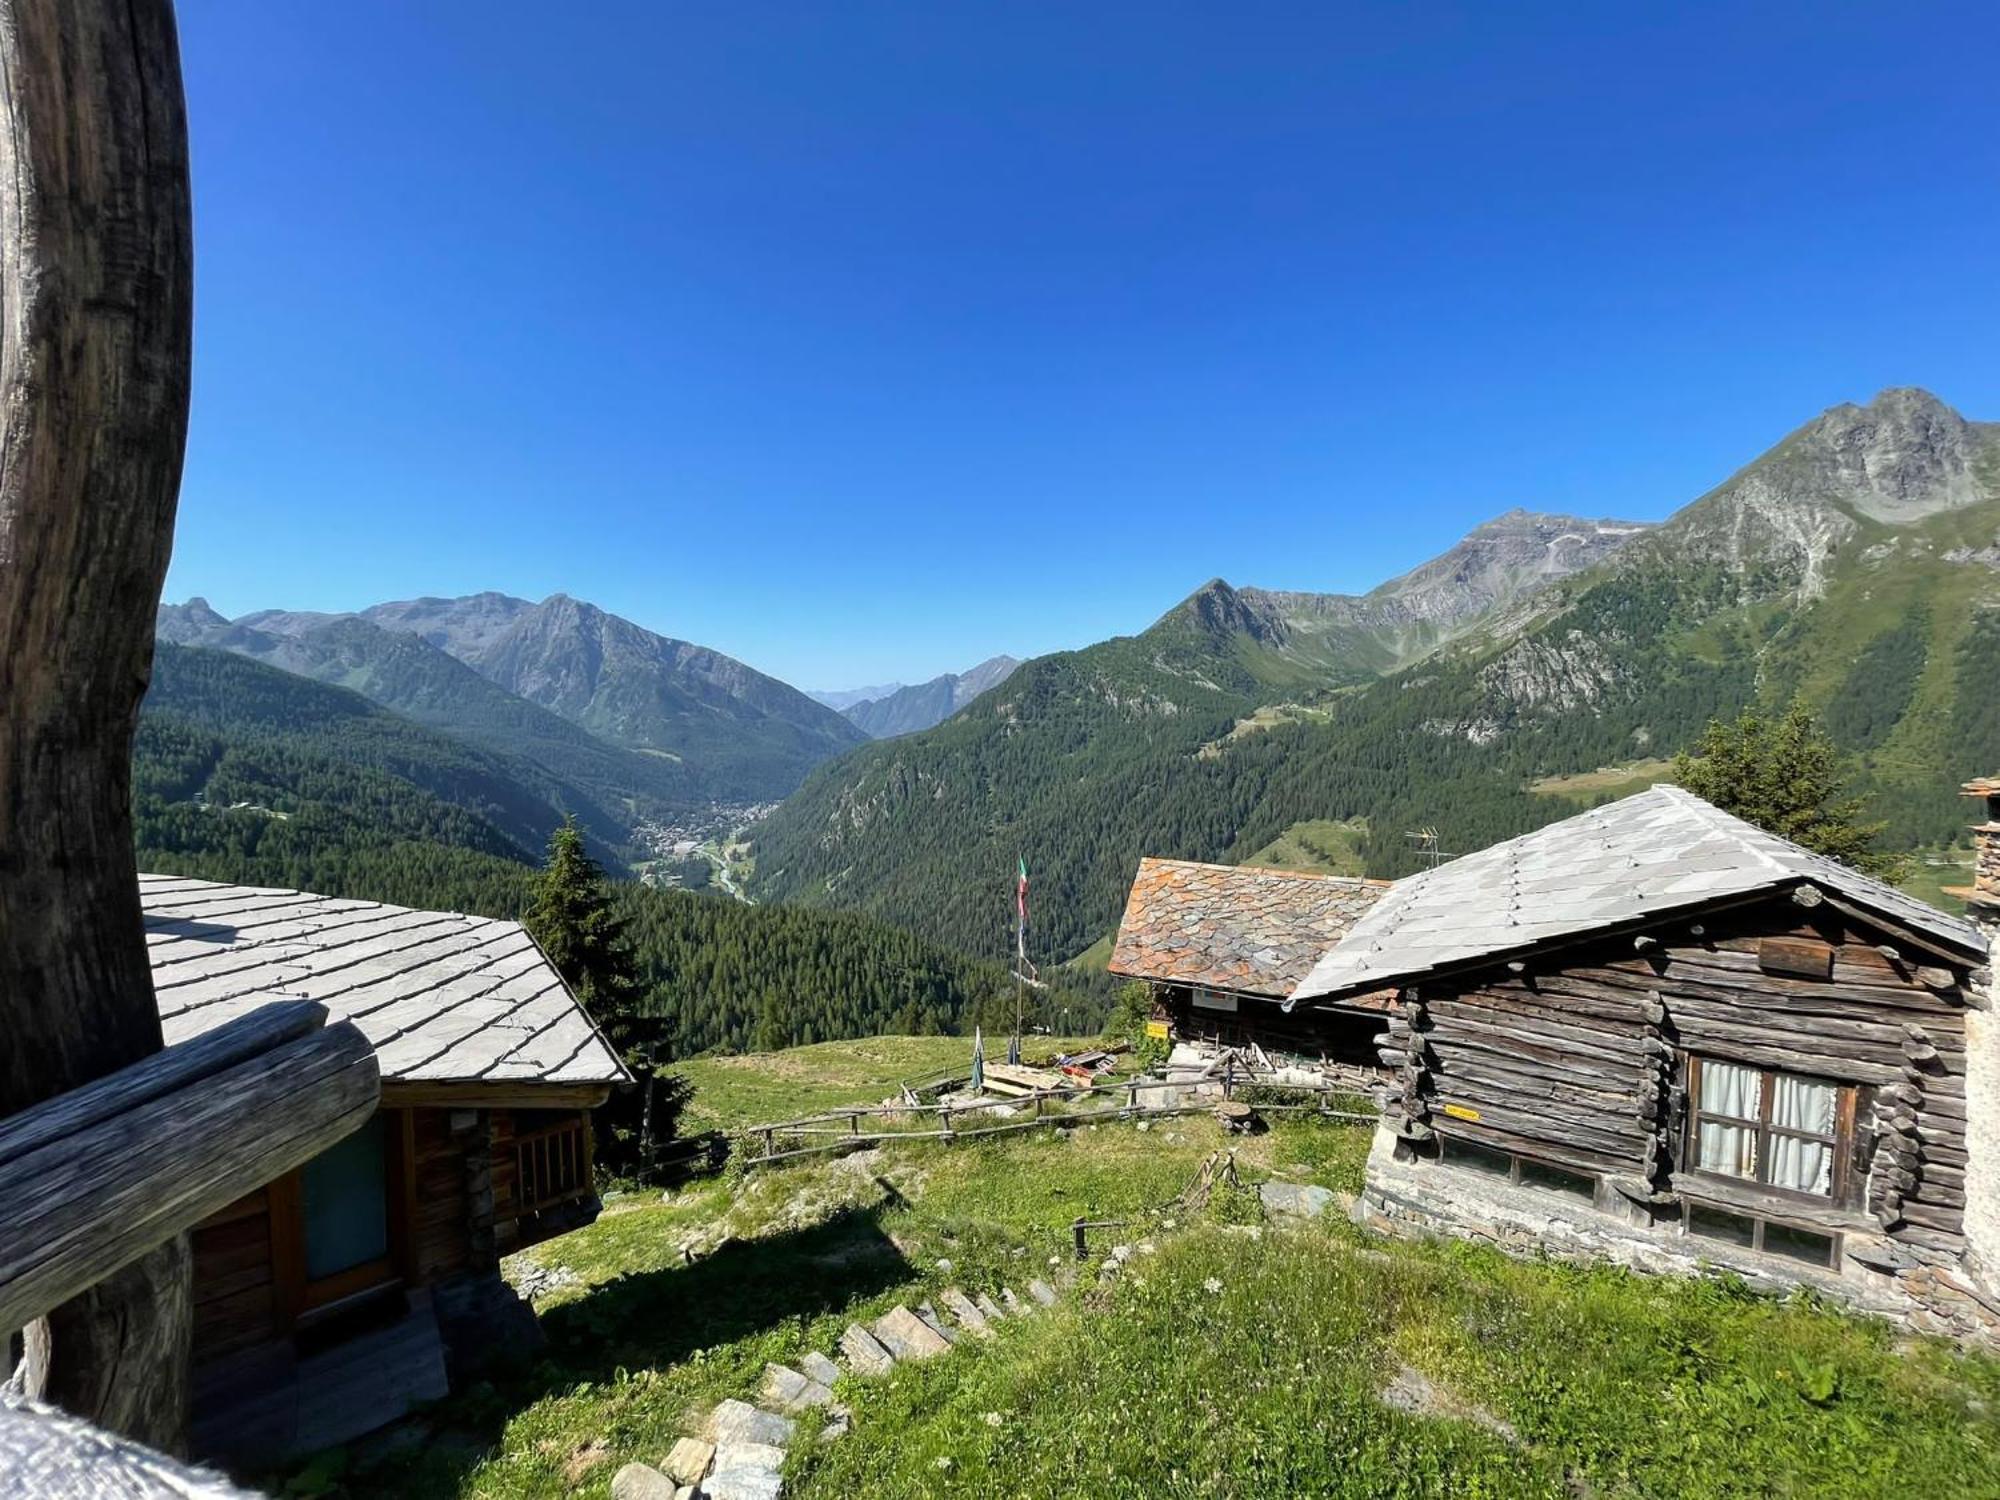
(739, 1454)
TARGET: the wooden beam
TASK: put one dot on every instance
(267, 1027)
(83, 1205)
(524, 1093)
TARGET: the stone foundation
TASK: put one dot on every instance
(1414, 1196)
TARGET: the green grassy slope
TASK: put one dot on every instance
(1218, 1362)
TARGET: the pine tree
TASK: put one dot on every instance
(571, 916)
(1787, 778)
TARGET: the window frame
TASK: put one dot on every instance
(1514, 1177)
(300, 1299)
(1839, 1178)
(1759, 1222)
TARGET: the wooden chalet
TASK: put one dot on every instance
(1223, 946)
(1658, 1034)
(332, 1299)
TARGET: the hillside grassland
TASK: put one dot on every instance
(1588, 787)
(1321, 845)
(731, 1092)
(1227, 1357)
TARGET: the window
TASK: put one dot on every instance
(1525, 1171)
(1779, 1130)
(344, 1197)
(1812, 1247)
(340, 1224)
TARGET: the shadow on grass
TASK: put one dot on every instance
(643, 1320)
(650, 1319)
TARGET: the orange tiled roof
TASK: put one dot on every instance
(1234, 927)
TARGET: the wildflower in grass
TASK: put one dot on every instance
(1212, 1285)
(993, 1419)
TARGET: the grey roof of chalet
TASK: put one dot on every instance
(443, 998)
(1234, 927)
(1657, 852)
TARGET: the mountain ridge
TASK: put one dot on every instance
(719, 730)
(1239, 712)
(920, 705)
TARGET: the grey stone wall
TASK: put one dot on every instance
(1412, 1195)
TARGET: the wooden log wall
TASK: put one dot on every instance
(1575, 1056)
(440, 1233)
(235, 1282)
(1341, 1036)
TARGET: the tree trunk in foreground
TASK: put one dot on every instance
(96, 257)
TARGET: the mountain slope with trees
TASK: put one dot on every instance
(745, 735)
(248, 774)
(1856, 564)
(905, 710)
(611, 787)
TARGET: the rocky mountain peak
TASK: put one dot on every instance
(184, 624)
(1218, 608)
(1904, 456)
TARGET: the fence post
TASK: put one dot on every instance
(1038, 1104)
(854, 1123)
(768, 1148)
(1131, 1098)
(944, 1116)
(1082, 1251)
(1229, 1076)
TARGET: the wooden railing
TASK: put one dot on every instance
(1116, 1099)
(552, 1164)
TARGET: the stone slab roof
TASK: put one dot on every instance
(443, 998)
(1660, 851)
(1233, 927)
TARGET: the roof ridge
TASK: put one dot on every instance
(1746, 834)
(1207, 864)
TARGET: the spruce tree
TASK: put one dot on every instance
(1786, 776)
(571, 916)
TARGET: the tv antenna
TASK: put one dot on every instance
(1425, 842)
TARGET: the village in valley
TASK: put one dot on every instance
(1525, 1028)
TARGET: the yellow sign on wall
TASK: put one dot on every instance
(1460, 1112)
(1157, 1028)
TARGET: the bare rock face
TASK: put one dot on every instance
(1900, 459)
(1494, 569)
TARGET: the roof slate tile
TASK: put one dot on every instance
(1234, 927)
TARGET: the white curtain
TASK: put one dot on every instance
(1729, 1089)
(1801, 1104)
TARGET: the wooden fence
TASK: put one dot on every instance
(843, 1128)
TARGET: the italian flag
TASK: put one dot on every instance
(1021, 906)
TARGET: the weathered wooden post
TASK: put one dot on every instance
(96, 275)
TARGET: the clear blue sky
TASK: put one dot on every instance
(862, 341)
